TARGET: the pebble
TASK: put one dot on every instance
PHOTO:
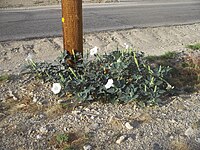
(172, 121)
(87, 147)
(120, 139)
(12, 95)
(35, 99)
(76, 112)
(95, 126)
(19, 106)
(189, 132)
(156, 146)
(38, 136)
(43, 130)
(171, 137)
(87, 109)
(128, 126)
(92, 117)
(130, 139)
(197, 140)
(61, 101)
(31, 94)
(41, 103)
(65, 129)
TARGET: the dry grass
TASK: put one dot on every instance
(185, 73)
(179, 145)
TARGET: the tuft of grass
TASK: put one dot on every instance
(166, 55)
(61, 138)
(4, 77)
(179, 145)
(196, 125)
(194, 46)
(169, 55)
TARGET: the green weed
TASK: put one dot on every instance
(4, 77)
(194, 46)
(167, 55)
(61, 138)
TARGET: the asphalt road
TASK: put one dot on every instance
(26, 23)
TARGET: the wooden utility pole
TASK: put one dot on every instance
(72, 25)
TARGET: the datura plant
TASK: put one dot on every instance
(120, 76)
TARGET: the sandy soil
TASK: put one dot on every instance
(153, 41)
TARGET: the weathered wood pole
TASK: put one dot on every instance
(72, 25)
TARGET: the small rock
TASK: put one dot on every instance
(120, 139)
(80, 107)
(197, 140)
(35, 99)
(61, 101)
(87, 147)
(31, 94)
(172, 121)
(43, 130)
(20, 106)
(15, 98)
(6, 70)
(156, 146)
(76, 112)
(41, 103)
(92, 117)
(158, 119)
(95, 126)
(128, 126)
(65, 129)
(38, 136)
(171, 137)
(87, 109)
(130, 139)
(12, 95)
(189, 132)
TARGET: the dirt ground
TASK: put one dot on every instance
(32, 117)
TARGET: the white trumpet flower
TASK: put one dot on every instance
(56, 88)
(109, 84)
(93, 51)
(126, 46)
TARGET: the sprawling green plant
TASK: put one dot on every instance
(120, 76)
